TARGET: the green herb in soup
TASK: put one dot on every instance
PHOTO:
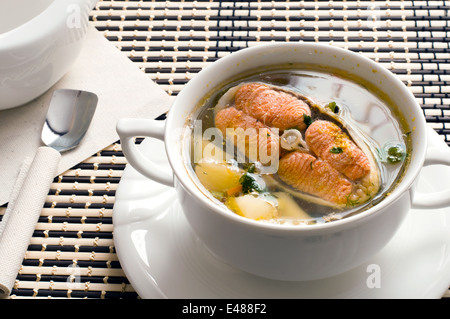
(304, 152)
(396, 154)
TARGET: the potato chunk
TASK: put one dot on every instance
(288, 208)
(217, 177)
(253, 207)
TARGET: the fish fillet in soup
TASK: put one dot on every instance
(330, 166)
(272, 107)
(330, 143)
(314, 176)
(231, 118)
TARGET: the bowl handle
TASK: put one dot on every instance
(128, 129)
(441, 199)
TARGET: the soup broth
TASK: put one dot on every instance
(247, 187)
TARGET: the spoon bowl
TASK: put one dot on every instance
(68, 118)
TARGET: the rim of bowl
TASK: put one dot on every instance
(408, 177)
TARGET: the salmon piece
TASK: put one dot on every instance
(272, 107)
(314, 176)
(263, 137)
(333, 145)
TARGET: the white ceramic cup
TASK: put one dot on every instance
(39, 41)
(286, 252)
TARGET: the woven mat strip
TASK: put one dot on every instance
(72, 254)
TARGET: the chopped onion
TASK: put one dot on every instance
(292, 140)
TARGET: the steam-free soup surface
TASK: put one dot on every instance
(337, 148)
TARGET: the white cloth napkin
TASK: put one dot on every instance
(22, 214)
(123, 91)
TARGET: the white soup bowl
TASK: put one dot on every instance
(286, 252)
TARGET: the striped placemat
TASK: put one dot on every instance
(72, 254)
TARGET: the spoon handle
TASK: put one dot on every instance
(22, 214)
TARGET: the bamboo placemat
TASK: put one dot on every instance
(71, 254)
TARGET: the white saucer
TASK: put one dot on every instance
(163, 258)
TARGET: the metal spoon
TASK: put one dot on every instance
(68, 118)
